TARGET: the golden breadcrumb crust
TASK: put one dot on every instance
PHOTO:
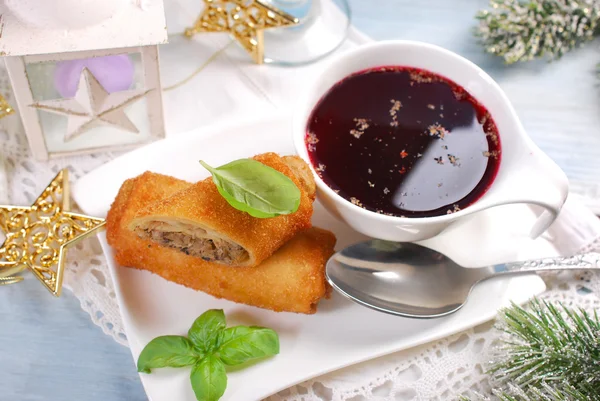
(303, 173)
(201, 203)
(292, 279)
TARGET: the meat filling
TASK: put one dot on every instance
(195, 243)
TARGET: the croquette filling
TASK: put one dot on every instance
(193, 241)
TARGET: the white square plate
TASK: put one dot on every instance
(341, 333)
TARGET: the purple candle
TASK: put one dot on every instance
(115, 73)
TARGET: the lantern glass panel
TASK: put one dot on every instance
(51, 80)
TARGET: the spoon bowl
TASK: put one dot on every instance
(406, 279)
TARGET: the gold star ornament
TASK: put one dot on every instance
(245, 20)
(5, 108)
(37, 236)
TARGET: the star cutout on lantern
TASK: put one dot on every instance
(37, 236)
(92, 106)
(245, 20)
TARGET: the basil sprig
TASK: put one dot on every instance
(209, 347)
(254, 188)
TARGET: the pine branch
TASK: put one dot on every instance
(521, 30)
(545, 393)
(550, 348)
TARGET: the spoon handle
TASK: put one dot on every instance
(586, 261)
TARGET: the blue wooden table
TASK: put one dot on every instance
(50, 349)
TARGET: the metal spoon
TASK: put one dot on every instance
(409, 280)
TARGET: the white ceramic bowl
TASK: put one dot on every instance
(525, 175)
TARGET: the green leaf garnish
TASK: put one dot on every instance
(167, 351)
(254, 188)
(209, 379)
(209, 348)
(206, 329)
(241, 206)
(241, 344)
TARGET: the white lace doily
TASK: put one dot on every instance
(436, 371)
(86, 271)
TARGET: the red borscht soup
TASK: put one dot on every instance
(403, 142)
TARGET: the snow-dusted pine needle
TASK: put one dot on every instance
(521, 30)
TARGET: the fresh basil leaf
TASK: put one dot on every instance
(167, 351)
(243, 207)
(262, 190)
(206, 328)
(209, 379)
(241, 344)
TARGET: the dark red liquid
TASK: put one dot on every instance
(403, 142)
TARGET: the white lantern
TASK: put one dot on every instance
(85, 73)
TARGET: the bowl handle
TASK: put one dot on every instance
(530, 176)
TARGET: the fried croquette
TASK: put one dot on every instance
(292, 279)
(200, 222)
